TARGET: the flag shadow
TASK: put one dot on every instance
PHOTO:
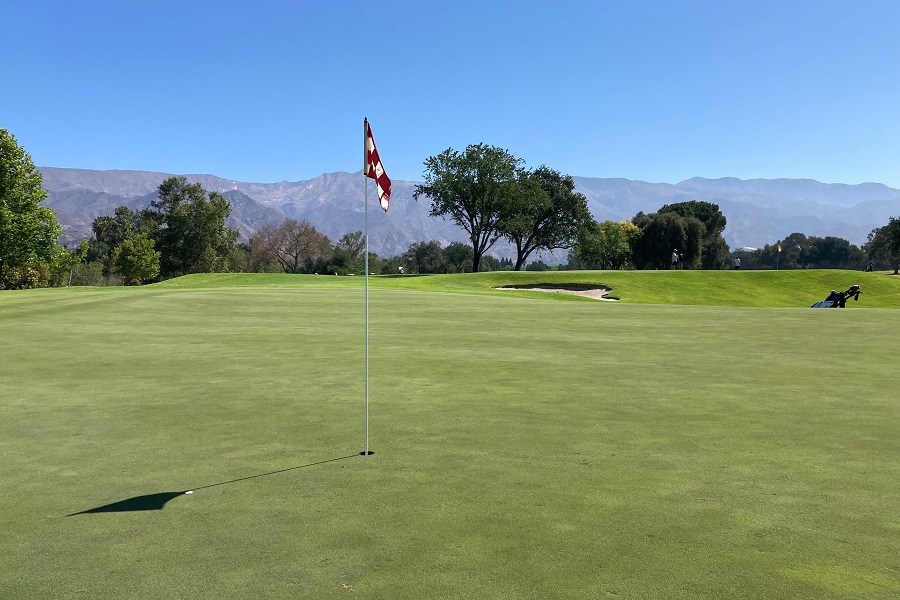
(146, 502)
(158, 500)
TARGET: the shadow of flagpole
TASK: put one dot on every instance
(158, 500)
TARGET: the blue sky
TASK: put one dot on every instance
(268, 91)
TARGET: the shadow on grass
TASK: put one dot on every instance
(158, 500)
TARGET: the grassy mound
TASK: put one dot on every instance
(698, 288)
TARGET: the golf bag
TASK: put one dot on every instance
(839, 299)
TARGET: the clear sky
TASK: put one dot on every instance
(268, 91)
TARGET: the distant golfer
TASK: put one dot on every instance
(737, 263)
(400, 269)
(675, 258)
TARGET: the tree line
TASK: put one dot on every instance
(690, 231)
(484, 190)
(798, 251)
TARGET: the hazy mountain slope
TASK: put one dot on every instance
(248, 215)
(761, 211)
(795, 190)
(758, 211)
(333, 203)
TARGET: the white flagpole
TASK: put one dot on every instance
(366, 166)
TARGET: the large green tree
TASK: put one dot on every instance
(459, 257)
(28, 230)
(714, 252)
(832, 252)
(349, 253)
(110, 231)
(192, 234)
(544, 212)
(884, 244)
(425, 257)
(663, 232)
(471, 188)
(137, 259)
(606, 245)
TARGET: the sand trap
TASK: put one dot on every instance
(588, 291)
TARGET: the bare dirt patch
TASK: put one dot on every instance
(588, 291)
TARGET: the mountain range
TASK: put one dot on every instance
(758, 211)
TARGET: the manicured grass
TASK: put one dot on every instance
(698, 288)
(525, 448)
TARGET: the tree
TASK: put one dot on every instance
(115, 229)
(492, 263)
(663, 232)
(797, 251)
(458, 257)
(894, 244)
(388, 266)
(104, 228)
(354, 244)
(137, 259)
(239, 260)
(66, 263)
(191, 230)
(28, 230)
(111, 230)
(832, 252)
(790, 255)
(347, 256)
(294, 246)
(472, 189)
(538, 265)
(544, 212)
(425, 258)
(884, 244)
(606, 245)
(714, 250)
(89, 273)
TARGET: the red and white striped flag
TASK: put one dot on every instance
(375, 170)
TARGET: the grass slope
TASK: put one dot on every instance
(703, 288)
(524, 448)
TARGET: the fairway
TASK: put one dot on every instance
(524, 447)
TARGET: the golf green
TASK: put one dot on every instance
(524, 448)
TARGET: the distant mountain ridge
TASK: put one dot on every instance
(758, 211)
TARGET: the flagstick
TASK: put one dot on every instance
(365, 164)
(367, 316)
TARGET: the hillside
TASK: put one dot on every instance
(782, 289)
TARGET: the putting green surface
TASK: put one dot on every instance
(524, 448)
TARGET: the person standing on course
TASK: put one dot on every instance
(737, 263)
(675, 258)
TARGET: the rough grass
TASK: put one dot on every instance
(525, 448)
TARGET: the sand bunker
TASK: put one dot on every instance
(588, 291)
